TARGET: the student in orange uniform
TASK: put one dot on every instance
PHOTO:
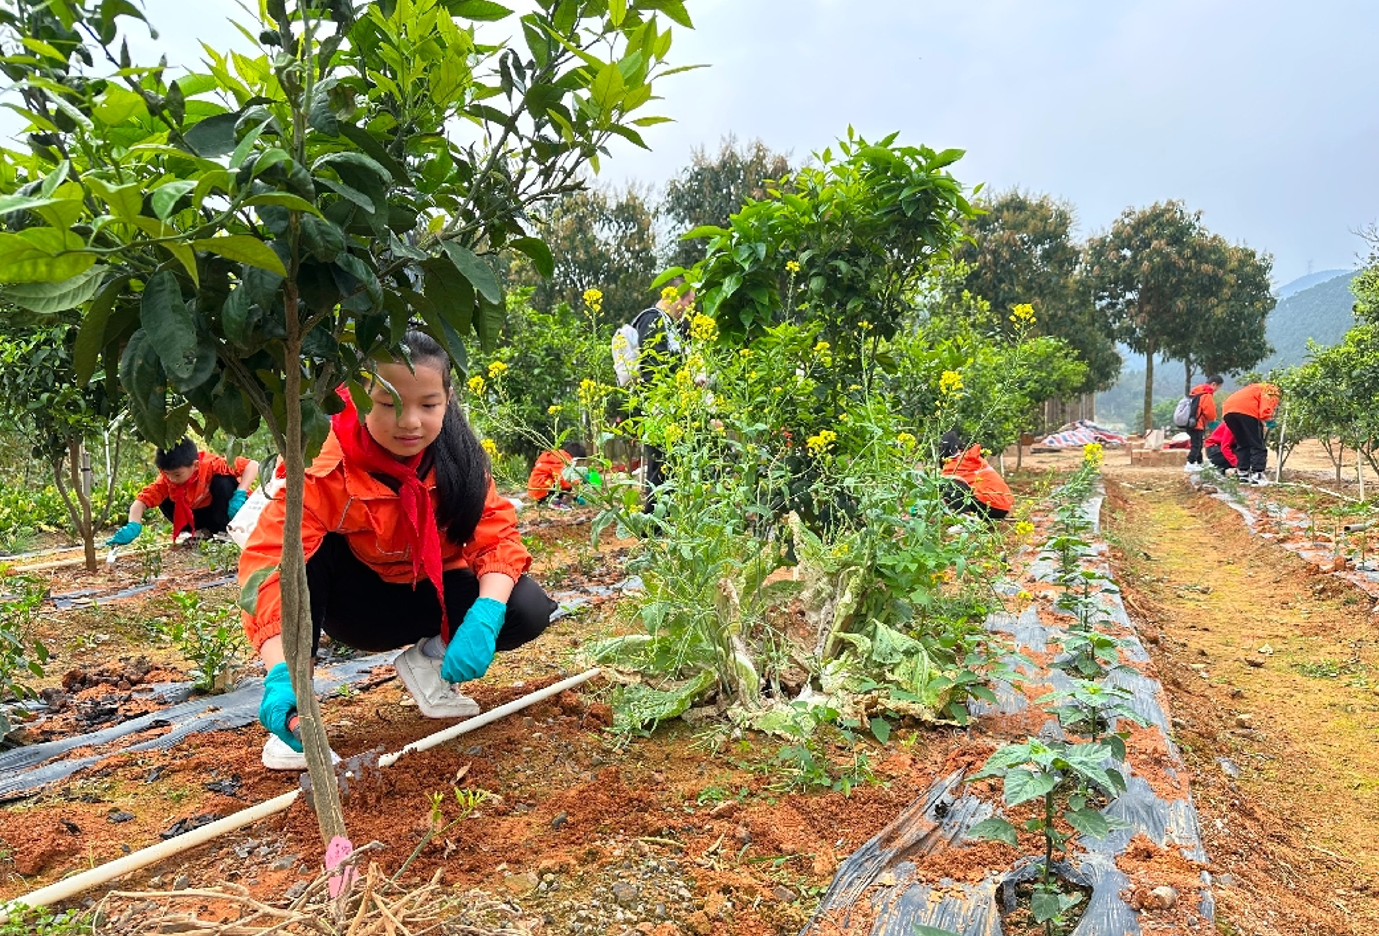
(972, 486)
(1245, 412)
(407, 543)
(548, 474)
(1221, 449)
(1206, 415)
(197, 491)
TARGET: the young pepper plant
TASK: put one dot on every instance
(240, 241)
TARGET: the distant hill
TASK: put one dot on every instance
(1322, 312)
(1308, 281)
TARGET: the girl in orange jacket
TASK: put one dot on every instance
(1245, 412)
(1206, 415)
(972, 485)
(548, 474)
(407, 543)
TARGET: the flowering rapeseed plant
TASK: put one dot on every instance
(949, 382)
(1024, 528)
(792, 266)
(476, 384)
(593, 298)
(906, 440)
(819, 444)
(703, 328)
(495, 370)
(1093, 454)
(1022, 314)
(490, 447)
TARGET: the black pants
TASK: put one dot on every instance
(958, 496)
(215, 516)
(1251, 454)
(1194, 453)
(1218, 458)
(654, 467)
(357, 608)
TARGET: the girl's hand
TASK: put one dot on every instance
(473, 645)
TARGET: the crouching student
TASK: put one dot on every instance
(1246, 411)
(408, 545)
(549, 477)
(1220, 449)
(199, 492)
(970, 485)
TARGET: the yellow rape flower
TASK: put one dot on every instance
(745, 353)
(1024, 528)
(1022, 314)
(670, 293)
(495, 370)
(1093, 454)
(593, 298)
(792, 266)
(949, 382)
(589, 391)
(674, 433)
(554, 409)
(906, 440)
(476, 384)
(490, 447)
(703, 328)
(819, 444)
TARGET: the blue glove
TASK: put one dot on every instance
(237, 500)
(126, 534)
(473, 645)
(278, 703)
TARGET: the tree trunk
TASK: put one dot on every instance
(80, 511)
(296, 600)
(1149, 386)
(1187, 379)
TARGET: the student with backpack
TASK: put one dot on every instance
(1197, 411)
(407, 545)
(1245, 413)
(653, 342)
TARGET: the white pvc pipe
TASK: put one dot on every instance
(70, 887)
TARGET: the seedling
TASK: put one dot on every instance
(1087, 708)
(21, 598)
(209, 638)
(1050, 772)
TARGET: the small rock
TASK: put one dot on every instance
(297, 890)
(1228, 768)
(285, 862)
(1237, 693)
(783, 894)
(1243, 721)
(119, 816)
(724, 809)
(1163, 898)
(1266, 650)
(743, 834)
(181, 882)
(625, 893)
(521, 884)
(560, 820)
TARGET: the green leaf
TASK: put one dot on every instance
(246, 145)
(243, 248)
(91, 335)
(47, 298)
(880, 729)
(1022, 785)
(538, 252)
(996, 829)
(284, 200)
(125, 201)
(475, 270)
(617, 12)
(921, 929)
(489, 324)
(673, 9)
(248, 600)
(164, 198)
(168, 325)
(608, 87)
(1088, 822)
(485, 11)
(366, 142)
(118, 105)
(39, 255)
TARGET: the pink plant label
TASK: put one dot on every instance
(337, 851)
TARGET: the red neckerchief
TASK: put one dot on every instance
(362, 451)
(182, 516)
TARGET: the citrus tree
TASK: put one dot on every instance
(241, 240)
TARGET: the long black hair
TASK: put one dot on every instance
(462, 468)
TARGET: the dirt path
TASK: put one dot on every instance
(1273, 674)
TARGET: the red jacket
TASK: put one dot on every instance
(343, 499)
(1206, 409)
(197, 488)
(1259, 400)
(1221, 436)
(987, 486)
(548, 474)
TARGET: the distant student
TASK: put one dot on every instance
(970, 484)
(1246, 411)
(1220, 448)
(1206, 415)
(197, 491)
(548, 474)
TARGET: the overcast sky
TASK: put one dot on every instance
(1262, 114)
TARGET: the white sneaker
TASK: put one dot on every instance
(1189, 466)
(278, 756)
(1259, 479)
(435, 697)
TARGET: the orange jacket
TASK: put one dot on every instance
(342, 499)
(199, 484)
(987, 486)
(1259, 400)
(1206, 408)
(548, 474)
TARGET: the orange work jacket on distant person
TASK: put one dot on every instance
(1259, 400)
(197, 488)
(548, 474)
(987, 485)
(1206, 407)
(342, 499)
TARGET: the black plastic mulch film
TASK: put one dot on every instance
(876, 891)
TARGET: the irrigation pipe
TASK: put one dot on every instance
(70, 887)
